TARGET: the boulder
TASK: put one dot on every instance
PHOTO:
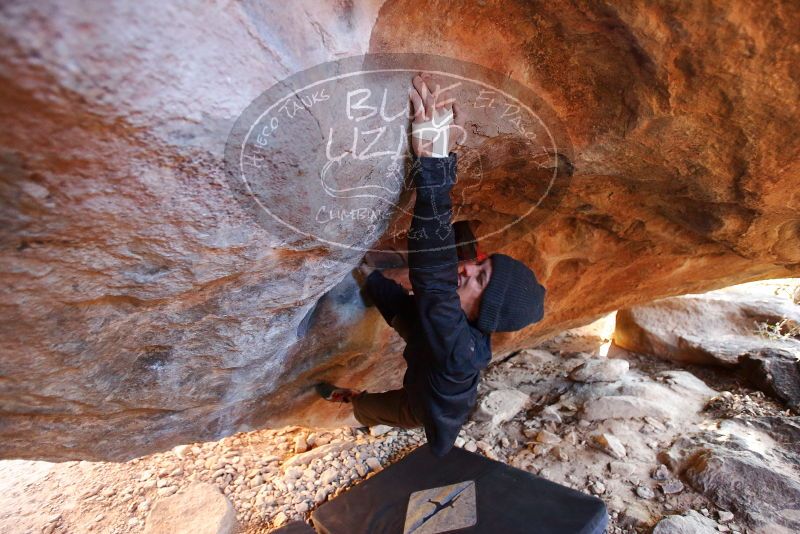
(689, 523)
(139, 293)
(199, 509)
(713, 328)
(745, 466)
(724, 328)
(776, 372)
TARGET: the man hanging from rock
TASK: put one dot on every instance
(455, 306)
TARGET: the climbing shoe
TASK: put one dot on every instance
(332, 393)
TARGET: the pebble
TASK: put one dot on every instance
(547, 437)
(302, 507)
(661, 473)
(597, 487)
(294, 473)
(645, 492)
(180, 451)
(470, 446)
(560, 453)
(280, 519)
(300, 444)
(167, 491)
(379, 430)
(725, 516)
(328, 476)
(609, 444)
(550, 413)
(373, 463)
(672, 486)
(361, 469)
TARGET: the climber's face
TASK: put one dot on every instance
(473, 277)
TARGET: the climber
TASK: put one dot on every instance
(455, 305)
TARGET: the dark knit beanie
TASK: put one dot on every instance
(513, 299)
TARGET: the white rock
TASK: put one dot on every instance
(623, 407)
(379, 430)
(300, 444)
(302, 507)
(167, 491)
(619, 468)
(280, 519)
(547, 437)
(334, 448)
(609, 444)
(321, 495)
(361, 469)
(180, 450)
(293, 473)
(725, 516)
(328, 476)
(199, 509)
(600, 370)
(501, 405)
(373, 463)
(689, 523)
(550, 413)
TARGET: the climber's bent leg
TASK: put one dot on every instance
(388, 408)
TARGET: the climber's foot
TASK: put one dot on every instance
(332, 393)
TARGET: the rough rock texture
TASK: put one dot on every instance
(714, 328)
(142, 308)
(599, 370)
(199, 509)
(775, 373)
(689, 523)
(732, 328)
(748, 468)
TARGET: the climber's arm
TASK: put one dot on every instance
(389, 297)
(433, 270)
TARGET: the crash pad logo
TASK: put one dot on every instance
(441, 509)
(323, 157)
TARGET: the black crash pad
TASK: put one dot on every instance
(506, 500)
(295, 527)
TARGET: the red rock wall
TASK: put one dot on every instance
(142, 308)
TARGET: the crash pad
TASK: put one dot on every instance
(295, 527)
(463, 491)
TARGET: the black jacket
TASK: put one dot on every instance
(444, 351)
